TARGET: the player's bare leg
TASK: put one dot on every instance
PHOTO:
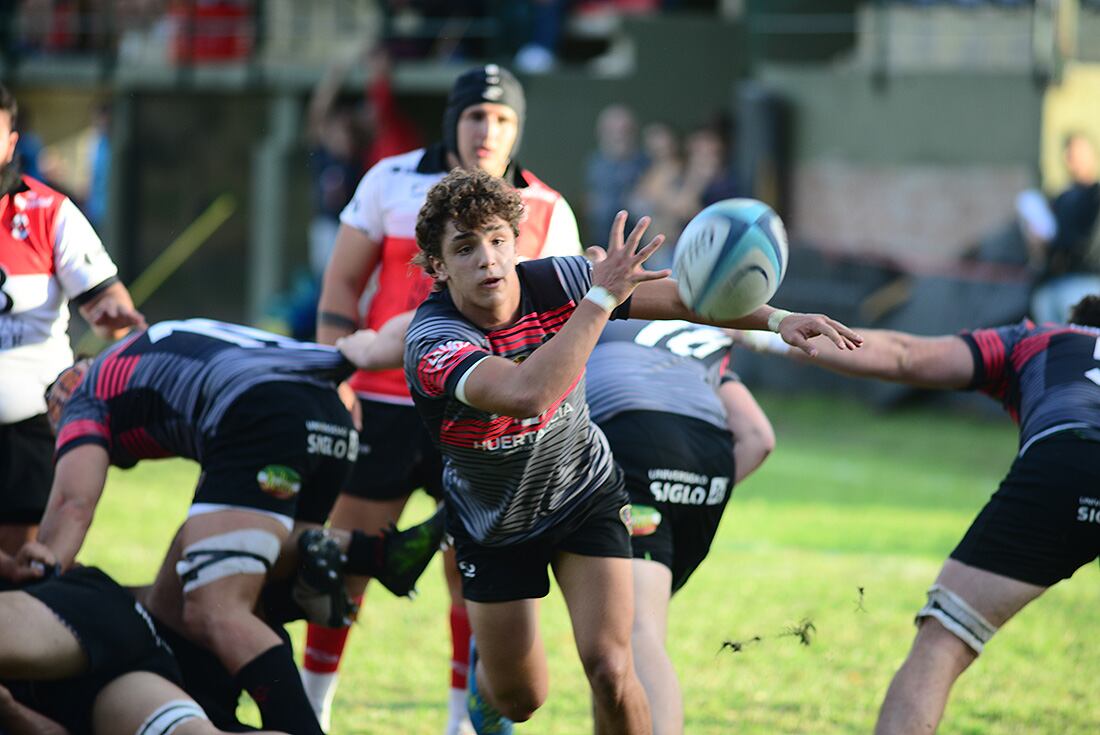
(600, 596)
(34, 643)
(142, 699)
(219, 614)
(218, 611)
(652, 590)
(325, 646)
(918, 694)
(511, 667)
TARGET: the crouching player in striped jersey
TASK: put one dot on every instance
(495, 361)
(1043, 522)
(685, 431)
(261, 414)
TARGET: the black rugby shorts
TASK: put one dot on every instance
(26, 469)
(1043, 523)
(596, 527)
(116, 634)
(396, 454)
(679, 474)
(285, 448)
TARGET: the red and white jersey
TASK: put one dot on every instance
(385, 207)
(49, 254)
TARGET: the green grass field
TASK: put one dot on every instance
(851, 499)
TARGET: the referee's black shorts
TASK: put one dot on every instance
(1043, 523)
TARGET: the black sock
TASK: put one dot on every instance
(364, 555)
(272, 680)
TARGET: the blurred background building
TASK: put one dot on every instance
(894, 136)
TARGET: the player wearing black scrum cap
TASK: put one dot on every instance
(482, 129)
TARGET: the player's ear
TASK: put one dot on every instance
(439, 271)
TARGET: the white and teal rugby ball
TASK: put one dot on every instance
(730, 259)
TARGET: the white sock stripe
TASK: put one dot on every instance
(165, 719)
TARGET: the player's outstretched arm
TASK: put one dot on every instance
(529, 388)
(111, 313)
(381, 350)
(926, 362)
(753, 436)
(660, 300)
(78, 481)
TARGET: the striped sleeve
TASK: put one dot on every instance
(438, 353)
(86, 420)
(991, 349)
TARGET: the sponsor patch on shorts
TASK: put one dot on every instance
(644, 520)
(279, 481)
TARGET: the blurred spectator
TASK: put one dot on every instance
(614, 168)
(336, 152)
(391, 131)
(656, 189)
(29, 147)
(1070, 257)
(96, 194)
(539, 54)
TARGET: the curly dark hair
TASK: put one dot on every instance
(469, 199)
(1086, 312)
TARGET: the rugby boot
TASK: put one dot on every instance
(483, 716)
(319, 584)
(405, 554)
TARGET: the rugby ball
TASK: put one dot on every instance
(730, 259)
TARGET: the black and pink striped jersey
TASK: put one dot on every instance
(508, 479)
(1047, 377)
(162, 392)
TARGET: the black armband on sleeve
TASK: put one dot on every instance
(332, 319)
(94, 291)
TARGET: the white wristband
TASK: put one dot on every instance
(776, 317)
(765, 342)
(602, 298)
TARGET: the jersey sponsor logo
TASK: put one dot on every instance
(445, 352)
(332, 440)
(20, 226)
(512, 441)
(33, 202)
(1089, 510)
(6, 301)
(279, 481)
(687, 488)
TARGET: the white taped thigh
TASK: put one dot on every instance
(166, 718)
(246, 551)
(957, 616)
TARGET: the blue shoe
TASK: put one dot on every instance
(483, 716)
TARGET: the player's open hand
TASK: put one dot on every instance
(358, 348)
(114, 316)
(620, 270)
(34, 561)
(798, 329)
